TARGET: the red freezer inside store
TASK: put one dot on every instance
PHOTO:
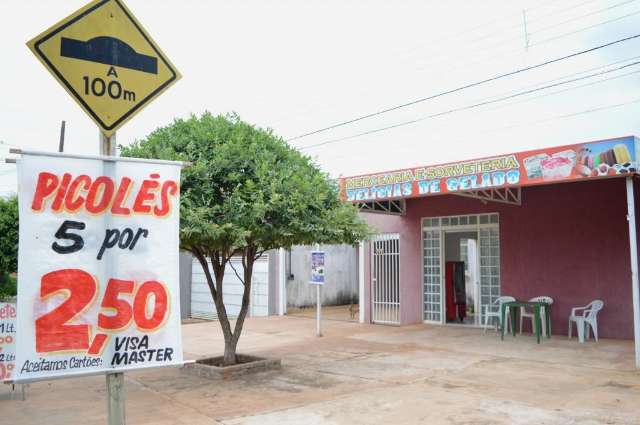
(452, 238)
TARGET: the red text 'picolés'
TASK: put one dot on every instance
(74, 193)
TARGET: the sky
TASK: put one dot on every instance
(299, 66)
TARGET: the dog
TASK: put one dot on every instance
(354, 309)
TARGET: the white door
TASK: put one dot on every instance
(385, 278)
(202, 306)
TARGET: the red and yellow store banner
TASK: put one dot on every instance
(606, 158)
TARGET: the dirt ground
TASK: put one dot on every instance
(363, 374)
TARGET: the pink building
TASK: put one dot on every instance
(557, 222)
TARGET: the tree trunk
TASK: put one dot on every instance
(215, 283)
(230, 357)
(247, 265)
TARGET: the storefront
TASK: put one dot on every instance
(553, 222)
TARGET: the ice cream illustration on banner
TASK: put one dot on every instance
(594, 160)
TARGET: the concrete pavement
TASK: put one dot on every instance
(364, 374)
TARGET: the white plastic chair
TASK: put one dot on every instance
(587, 317)
(543, 317)
(494, 311)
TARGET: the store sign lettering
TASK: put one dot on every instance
(562, 163)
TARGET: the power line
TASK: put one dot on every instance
(604, 80)
(546, 40)
(573, 74)
(551, 119)
(518, 24)
(458, 34)
(495, 56)
(595, 12)
(559, 12)
(467, 107)
(466, 86)
(499, 56)
(570, 115)
(501, 42)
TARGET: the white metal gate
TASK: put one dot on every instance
(385, 278)
(202, 306)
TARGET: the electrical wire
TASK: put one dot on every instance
(466, 32)
(467, 86)
(573, 74)
(499, 55)
(491, 47)
(459, 34)
(465, 108)
(543, 121)
(570, 115)
(576, 18)
(567, 34)
(592, 83)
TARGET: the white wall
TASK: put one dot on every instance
(341, 278)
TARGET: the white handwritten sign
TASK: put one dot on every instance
(98, 276)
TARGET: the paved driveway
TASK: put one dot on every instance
(364, 374)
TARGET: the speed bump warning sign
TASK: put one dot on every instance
(106, 61)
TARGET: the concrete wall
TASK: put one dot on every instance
(568, 241)
(185, 284)
(341, 277)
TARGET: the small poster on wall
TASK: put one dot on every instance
(7, 340)
(317, 268)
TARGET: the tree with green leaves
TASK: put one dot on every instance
(246, 192)
(8, 242)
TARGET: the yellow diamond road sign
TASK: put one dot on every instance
(107, 62)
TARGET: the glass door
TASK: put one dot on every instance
(487, 265)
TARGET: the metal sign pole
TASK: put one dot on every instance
(61, 144)
(318, 312)
(318, 305)
(115, 381)
(115, 398)
(633, 251)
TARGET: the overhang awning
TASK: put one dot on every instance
(497, 178)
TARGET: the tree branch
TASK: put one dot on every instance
(236, 272)
(259, 254)
(246, 297)
(205, 267)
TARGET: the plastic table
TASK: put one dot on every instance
(514, 307)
